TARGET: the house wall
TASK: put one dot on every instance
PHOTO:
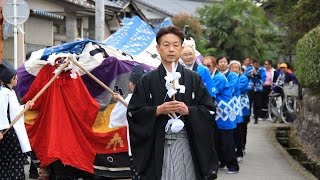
(39, 31)
(45, 6)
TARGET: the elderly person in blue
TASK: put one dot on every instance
(234, 66)
(257, 76)
(225, 115)
(243, 103)
(188, 61)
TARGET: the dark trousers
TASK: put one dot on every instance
(265, 99)
(255, 98)
(33, 169)
(244, 130)
(238, 139)
(225, 146)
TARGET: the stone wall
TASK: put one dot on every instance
(308, 125)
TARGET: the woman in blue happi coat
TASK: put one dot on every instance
(226, 117)
(241, 96)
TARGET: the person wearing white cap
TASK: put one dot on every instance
(242, 101)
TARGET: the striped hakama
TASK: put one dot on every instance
(177, 160)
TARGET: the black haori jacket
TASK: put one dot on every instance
(147, 132)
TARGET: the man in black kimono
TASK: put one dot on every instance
(152, 139)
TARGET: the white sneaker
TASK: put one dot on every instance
(232, 171)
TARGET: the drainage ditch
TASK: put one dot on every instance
(283, 137)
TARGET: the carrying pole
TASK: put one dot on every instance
(97, 80)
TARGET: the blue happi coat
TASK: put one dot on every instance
(205, 76)
(236, 97)
(225, 114)
(244, 99)
(255, 81)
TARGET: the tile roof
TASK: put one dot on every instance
(83, 3)
(173, 7)
(116, 3)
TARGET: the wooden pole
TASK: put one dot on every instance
(1, 30)
(61, 69)
(97, 80)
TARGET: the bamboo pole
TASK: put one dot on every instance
(97, 80)
(61, 69)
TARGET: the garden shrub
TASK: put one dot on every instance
(307, 62)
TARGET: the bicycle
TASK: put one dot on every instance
(288, 109)
(274, 105)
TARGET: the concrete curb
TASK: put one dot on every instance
(293, 163)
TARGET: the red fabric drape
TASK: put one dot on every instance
(66, 113)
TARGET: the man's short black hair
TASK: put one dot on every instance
(255, 61)
(169, 30)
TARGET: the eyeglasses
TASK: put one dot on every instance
(208, 65)
(266, 64)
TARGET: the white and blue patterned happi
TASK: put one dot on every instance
(237, 105)
(245, 104)
(225, 111)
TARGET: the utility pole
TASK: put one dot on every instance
(99, 20)
(1, 30)
(15, 12)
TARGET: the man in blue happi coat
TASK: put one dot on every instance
(256, 76)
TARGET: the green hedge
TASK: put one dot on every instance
(307, 62)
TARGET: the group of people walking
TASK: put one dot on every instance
(186, 120)
(213, 140)
(231, 90)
